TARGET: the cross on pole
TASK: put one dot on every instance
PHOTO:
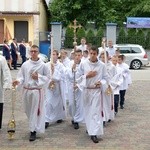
(75, 26)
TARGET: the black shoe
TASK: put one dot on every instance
(76, 125)
(32, 136)
(59, 121)
(15, 69)
(94, 139)
(86, 132)
(121, 107)
(72, 122)
(46, 125)
(109, 120)
(104, 123)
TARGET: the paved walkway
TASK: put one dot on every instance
(129, 131)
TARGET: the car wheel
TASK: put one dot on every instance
(136, 64)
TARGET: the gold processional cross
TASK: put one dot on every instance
(75, 26)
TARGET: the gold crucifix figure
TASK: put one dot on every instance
(75, 26)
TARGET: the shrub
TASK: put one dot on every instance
(147, 42)
(69, 38)
(99, 36)
(140, 38)
(80, 34)
(90, 37)
(131, 36)
(122, 38)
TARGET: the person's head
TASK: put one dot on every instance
(114, 60)
(14, 40)
(55, 55)
(78, 56)
(88, 46)
(102, 56)
(5, 42)
(120, 59)
(34, 51)
(83, 41)
(30, 43)
(103, 42)
(85, 53)
(93, 53)
(64, 54)
(72, 55)
(23, 40)
(110, 44)
(117, 52)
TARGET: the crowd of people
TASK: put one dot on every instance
(90, 85)
(12, 50)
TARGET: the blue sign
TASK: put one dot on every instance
(138, 22)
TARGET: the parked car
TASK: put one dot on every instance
(135, 55)
(43, 57)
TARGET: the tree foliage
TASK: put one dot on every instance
(122, 36)
(80, 34)
(147, 44)
(98, 11)
(90, 36)
(69, 38)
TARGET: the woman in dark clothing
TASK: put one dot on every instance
(6, 53)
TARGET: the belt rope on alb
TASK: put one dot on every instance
(39, 89)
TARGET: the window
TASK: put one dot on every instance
(21, 30)
(124, 50)
(135, 50)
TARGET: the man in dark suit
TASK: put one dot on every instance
(6, 53)
(22, 50)
(14, 52)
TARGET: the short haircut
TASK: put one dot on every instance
(5, 41)
(121, 56)
(86, 52)
(103, 53)
(63, 51)
(34, 46)
(94, 48)
(83, 38)
(56, 51)
(78, 51)
(117, 50)
(115, 56)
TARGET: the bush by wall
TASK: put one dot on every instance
(122, 37)
(69, 38)
(147, 42)
(90, 36)
(99, 36)
(140, 38)
(80, 34)
(131, 36)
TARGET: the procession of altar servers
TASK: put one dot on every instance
(85, 88)
(72, 93)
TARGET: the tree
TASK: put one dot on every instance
(140, 38)
(99, 36)
(69, 38)
(131, 36)
(68, 10)
(147, 43)
(122, 39)
(90, 37)
(80, 34)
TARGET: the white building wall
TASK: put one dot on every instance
(19, 5)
